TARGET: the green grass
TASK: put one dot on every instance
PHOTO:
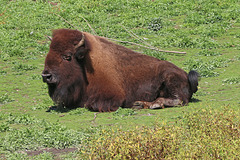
(208, 128)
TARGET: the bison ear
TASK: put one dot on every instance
(80, 53)
(81, 48)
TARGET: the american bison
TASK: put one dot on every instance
(83, 70)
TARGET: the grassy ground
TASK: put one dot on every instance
(209, 31)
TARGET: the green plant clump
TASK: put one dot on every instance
(23, 67)
(5, 99)
(208, 53)
(39, 135)
(156, 24)
(206, 68)
(121, 113)
(232, 80)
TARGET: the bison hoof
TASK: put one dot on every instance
(51, 108)
(156, 106)
(138, 105)
(141, 105)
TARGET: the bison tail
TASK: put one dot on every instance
(193, 80)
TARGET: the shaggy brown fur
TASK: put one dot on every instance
(104, 76)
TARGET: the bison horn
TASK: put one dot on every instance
(50, 38)
(81, 42)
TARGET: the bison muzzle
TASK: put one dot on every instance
(83, 70)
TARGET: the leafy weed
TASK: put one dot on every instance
(3, 72)
(23, 67)
(206, 68)
(78, 111)
(208, 53)
(5, 99)
(35, 77)
(21, 119)
(4, 127)
(41, 135)
(232, 80)
(121, 113)
(156, 24)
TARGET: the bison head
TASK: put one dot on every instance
(64, 67)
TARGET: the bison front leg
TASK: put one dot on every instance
(157, 104)
(141, 105)
(161, 102)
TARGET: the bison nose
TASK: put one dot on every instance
(46, 77)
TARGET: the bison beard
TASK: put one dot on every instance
(68, 95)
(83, 70)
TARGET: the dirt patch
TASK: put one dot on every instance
(54, 151)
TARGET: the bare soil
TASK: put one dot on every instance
(54, 151)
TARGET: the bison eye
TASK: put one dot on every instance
(65, 57)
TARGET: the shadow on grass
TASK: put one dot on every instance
(194, 100)
(64, 110)
(58, 109)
